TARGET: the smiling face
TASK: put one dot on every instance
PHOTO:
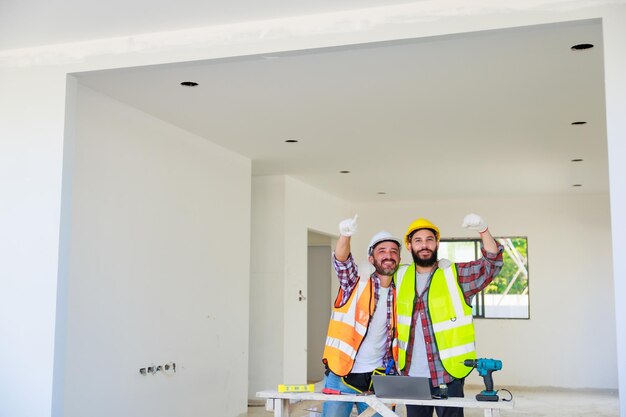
(386, 258)
(423, 246)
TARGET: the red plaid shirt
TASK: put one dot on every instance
(348, 275)
(472, 277)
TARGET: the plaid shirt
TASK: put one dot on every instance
(348, 275)
(472, 277)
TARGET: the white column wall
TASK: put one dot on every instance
(31, 116)
(570, 280)
(31, 140)
(615, 81)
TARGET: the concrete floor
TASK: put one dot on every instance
(529, 402)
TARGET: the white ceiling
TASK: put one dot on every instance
(471, 115)
(25, 23)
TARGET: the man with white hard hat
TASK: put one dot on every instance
(434, 307)
(360, 338)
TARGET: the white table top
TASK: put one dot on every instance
(468, 402)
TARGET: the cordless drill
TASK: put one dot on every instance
(485, 367)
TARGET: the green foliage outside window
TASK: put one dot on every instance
(514, 268)
(507, 295)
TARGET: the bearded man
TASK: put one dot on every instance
(434, 308)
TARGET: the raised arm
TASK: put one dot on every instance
(347, 271)
(346, 229)
(474, 276)
(475, 222)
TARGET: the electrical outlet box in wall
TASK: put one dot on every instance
(168, 368)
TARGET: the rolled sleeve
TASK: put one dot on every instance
(476, 275)
(348, 276)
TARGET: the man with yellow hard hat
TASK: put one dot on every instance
(434, 308)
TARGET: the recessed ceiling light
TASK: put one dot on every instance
(577, 160)
(579, 123)
(344, 172)
(582, 46)
(189, 84)
(291, 141)
(577, 185)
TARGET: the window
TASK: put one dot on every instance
(507, 295)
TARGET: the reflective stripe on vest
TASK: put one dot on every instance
(348, 326)
(450, 317)
(347, 318)
(452, 320)
(404, 308)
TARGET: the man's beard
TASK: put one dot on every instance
(430, 261)
(386, 272)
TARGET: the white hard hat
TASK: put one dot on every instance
(382, 236)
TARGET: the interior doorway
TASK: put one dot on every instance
(319, 278)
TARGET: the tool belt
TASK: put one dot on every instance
(361, 382)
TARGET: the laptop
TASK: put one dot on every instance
(402, 387)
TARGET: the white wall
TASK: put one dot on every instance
(572, 315)
(32, 106)
(284, 210)
(158, 267)
(306, 209)
(267, 277)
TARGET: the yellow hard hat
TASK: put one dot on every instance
(418, 224)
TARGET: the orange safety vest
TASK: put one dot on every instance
(348, 326)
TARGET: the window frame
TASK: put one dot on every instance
(479, 308)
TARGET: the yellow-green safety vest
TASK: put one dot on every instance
(450, 317)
